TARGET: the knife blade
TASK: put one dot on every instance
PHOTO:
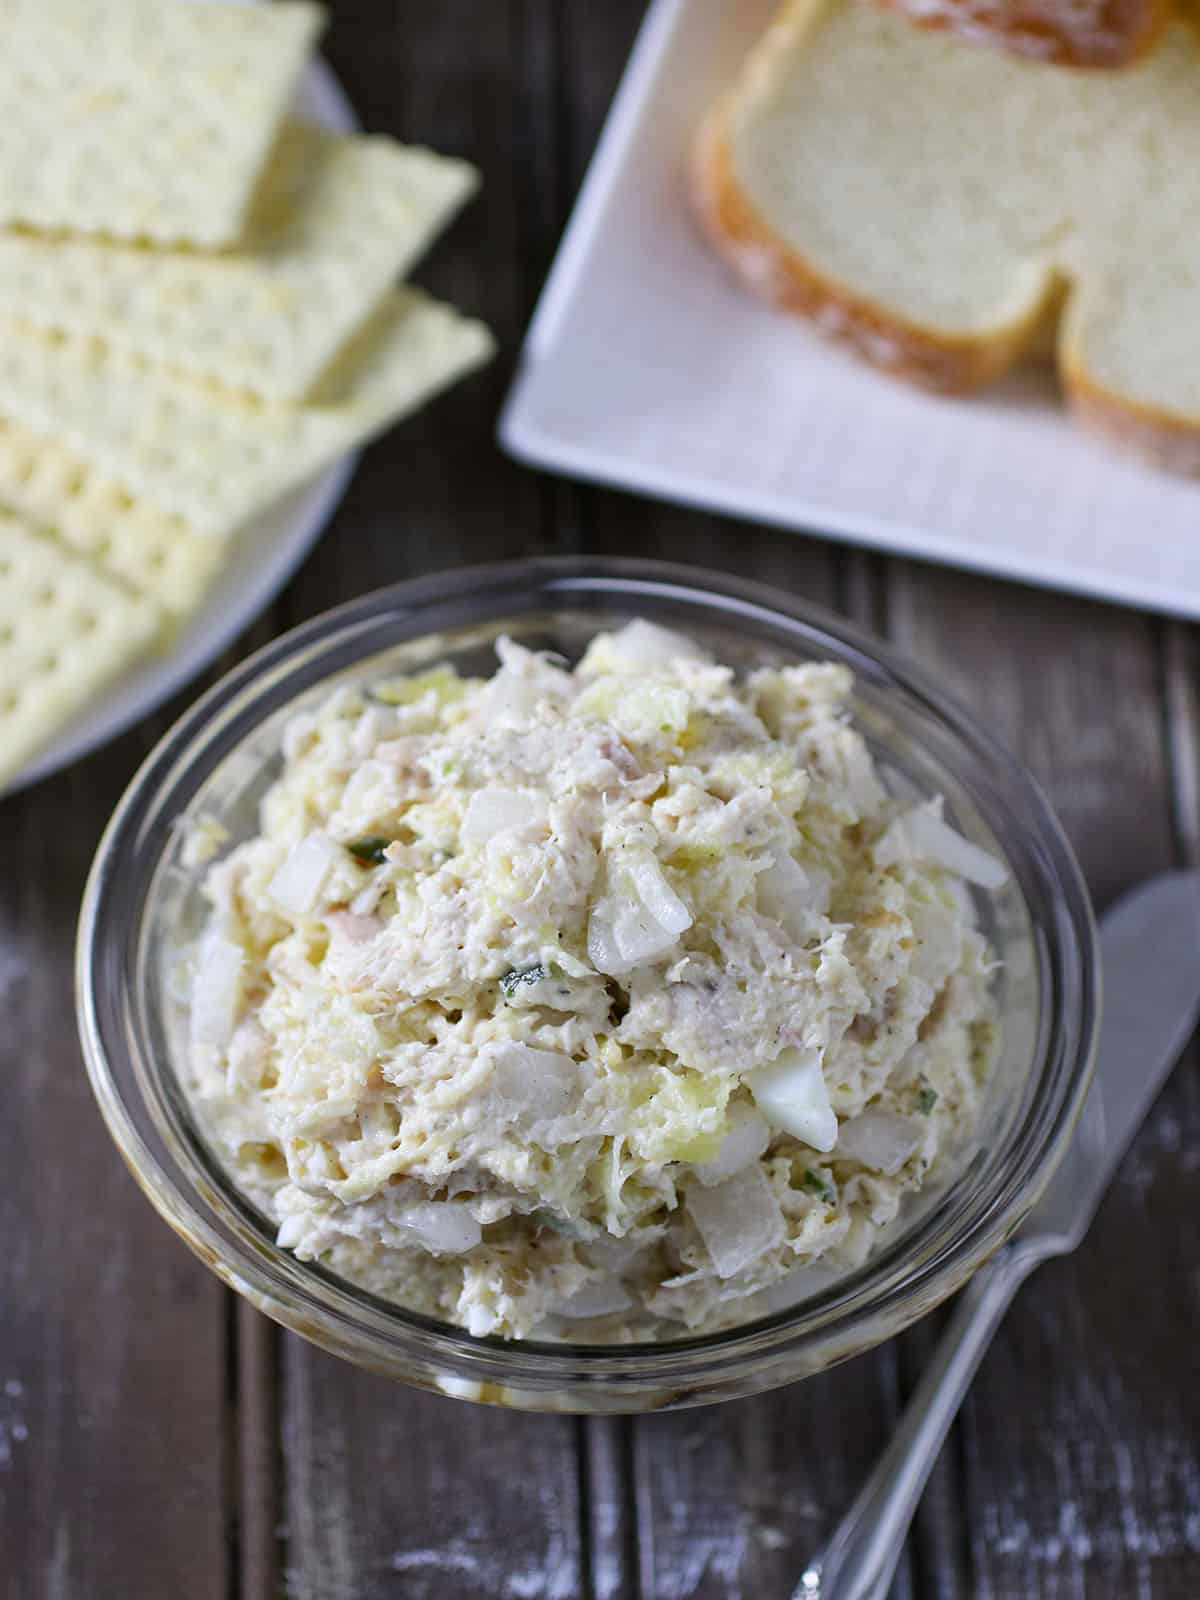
(1150, 978)
(1150, 989)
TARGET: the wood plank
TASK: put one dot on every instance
(395, 1492)
(733, 1500)
(259, 1545)
(935, 1550)
(437, 491)
(1183, 734)
(112, 1335)
(810, 569)
(1073, 688)
(723, 1502)
(389, 1491)
(728, 1500)
(938, 1545)
(1082, 1488)
(610, 1519)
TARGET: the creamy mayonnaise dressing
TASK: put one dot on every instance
(589, 1002)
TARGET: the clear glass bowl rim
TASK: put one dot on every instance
(874, 1302)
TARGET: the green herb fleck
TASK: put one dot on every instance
(545, 1218)
(369, 850)
(517, 977)
(817, 1183)
(926, 1099)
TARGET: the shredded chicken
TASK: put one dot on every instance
(589, 1003)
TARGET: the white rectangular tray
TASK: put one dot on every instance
(647, 366)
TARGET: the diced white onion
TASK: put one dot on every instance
(441, 1226)
(509, 696)
(797, 1285)
(297, 733)
(641, 924)
(866, 792)
(639, 937)
(481, 1320)
(522, 683)
(203, 839)
(297, 886)
(641, 644)
(459, 1388)
(793, 895)
(612, 1254)
(369, 730)
(533, 1083)
(354, 926)
(739, 1220)
(938, 933)
(657, 895)
(602, 941)
(369, 896)
(921, 835)
(493, 811)
(747, 1138)
(791, 1093)
(216, 990)
(881, 1140)
(291, 1231)
(595, 1300)
(248, 1051)
(820, 884)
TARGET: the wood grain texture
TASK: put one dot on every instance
(112, 1351)
(1087, 1484)
(733, 1500)
(1183, 734)
(720, 1503)
(386, 1491)
(1073, 688)
(606, 1453)
(726, 1503)
(156, 1440)
(472, 81)
(392, 1492)
(257, 1484)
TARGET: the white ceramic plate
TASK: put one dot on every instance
(265, 555)
(647, 366)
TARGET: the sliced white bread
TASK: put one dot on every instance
(928, 203)
(1077, 33)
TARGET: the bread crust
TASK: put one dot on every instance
(1158, 437)
(948, 364)
(1106, 34)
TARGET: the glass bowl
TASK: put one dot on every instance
(142, 901)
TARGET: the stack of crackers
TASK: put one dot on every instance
(199, 312)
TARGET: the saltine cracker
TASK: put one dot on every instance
(215, 458)
(65, 632)
(144, 119)
(338, 219)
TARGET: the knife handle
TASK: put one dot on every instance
(860, 1559)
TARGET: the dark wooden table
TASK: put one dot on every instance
(159, 1439)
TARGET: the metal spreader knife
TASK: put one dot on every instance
(1150, 953)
